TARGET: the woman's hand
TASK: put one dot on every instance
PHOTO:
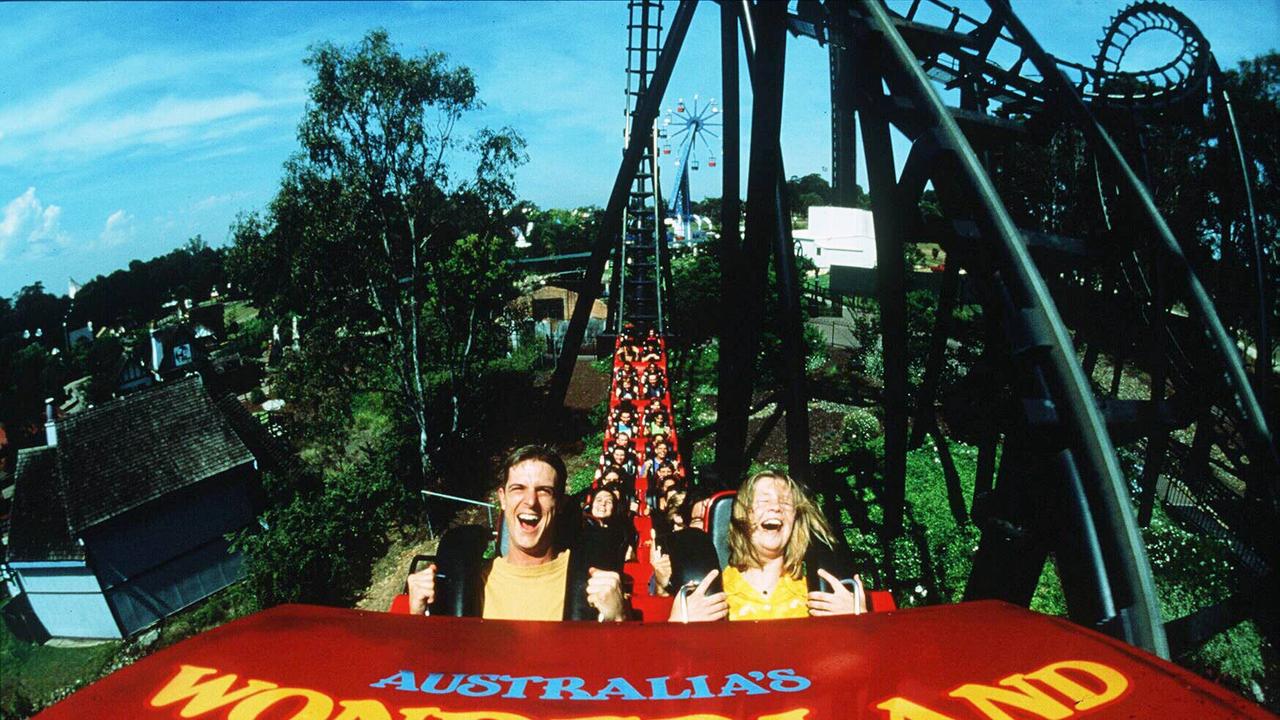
(699, 606)
(841, 601)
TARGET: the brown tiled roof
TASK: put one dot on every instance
(130, 451)
(38, 528)
(118, 456)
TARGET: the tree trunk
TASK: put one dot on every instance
(415, 357)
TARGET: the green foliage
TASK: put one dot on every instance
(580, 479)
(249, 338)
(33, 676)
(390, 235)
(813, 189)
(859, 429)
(318, 546)
(134, 296)
(556, 231)
(934, 554)
(1194, 570)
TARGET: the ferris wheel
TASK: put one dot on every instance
(689, 134)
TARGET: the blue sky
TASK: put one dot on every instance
(127, 128)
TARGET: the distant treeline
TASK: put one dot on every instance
(127, 297)
(35, 361)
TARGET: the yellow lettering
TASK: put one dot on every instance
(204, 696)
(317, 707)
(362, 710)
(797, 714)
(900, 708)
(1024, 697)
(1113, 683)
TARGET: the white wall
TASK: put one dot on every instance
(68, 600)
(838, 236)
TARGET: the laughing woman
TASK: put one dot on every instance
(774, 520)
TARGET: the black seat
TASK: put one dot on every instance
(603, 548)
(459, 561)
(693, 555)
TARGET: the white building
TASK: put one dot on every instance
(838, 236)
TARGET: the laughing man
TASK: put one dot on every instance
(528, 583)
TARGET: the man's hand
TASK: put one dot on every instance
(661, 569)
(422, 590)
(604, 593)
(701, 606)
(840, 602)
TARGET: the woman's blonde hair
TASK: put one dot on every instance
(809, 524)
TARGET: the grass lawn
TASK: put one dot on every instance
(33, 675)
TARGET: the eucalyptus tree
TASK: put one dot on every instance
(389, 231)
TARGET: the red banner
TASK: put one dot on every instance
(980, 661)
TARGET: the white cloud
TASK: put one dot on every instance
(118, 230)
(213, 201)
(168, 120)
(29, 228)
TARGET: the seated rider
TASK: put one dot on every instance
(660, 450)
(528, 583)
(774, 520)
(626, 420)
(627, 351)
(658, 425)
(603, 504)
(627, 389)
(653, 386)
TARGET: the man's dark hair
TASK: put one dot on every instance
(541, 453)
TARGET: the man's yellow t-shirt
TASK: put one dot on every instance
(526, 592)
(788, 599)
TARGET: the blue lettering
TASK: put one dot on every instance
(431, 684)
(735, 683)
(518, 685)
(403, 680)
(480, 686)
(621, 688)
(700, 689)
(556, 687)
(659, 687)
(786, 680)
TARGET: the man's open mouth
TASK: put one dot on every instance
(528, 521)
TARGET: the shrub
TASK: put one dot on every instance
(319, 545)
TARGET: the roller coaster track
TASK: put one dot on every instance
(1050, 303)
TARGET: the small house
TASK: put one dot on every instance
(120, 520)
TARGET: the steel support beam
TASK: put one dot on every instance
(1075, 408)
(733, 396)
(767, 83)
(1261, 443)
(844, 133)
(890, 283)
